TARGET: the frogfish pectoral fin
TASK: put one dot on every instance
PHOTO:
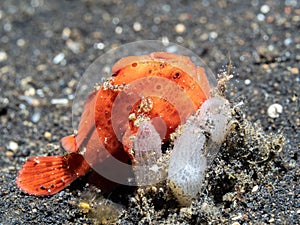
(69, 143)
(47, 175)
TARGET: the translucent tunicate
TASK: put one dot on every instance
(187, 164)
(213, 117)
(147, 152)
(198, 143)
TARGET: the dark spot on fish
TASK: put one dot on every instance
(176, 75)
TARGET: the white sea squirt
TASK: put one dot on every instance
(187, 163)
(147, 147)
(198, 143)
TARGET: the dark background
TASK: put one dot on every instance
(261, 38)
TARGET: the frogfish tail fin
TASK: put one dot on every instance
(47, 175)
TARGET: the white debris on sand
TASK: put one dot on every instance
(59, 101)
(275, 110)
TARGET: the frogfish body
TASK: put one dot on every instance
(161, 87)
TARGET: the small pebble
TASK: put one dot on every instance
(66, 33)
(237, 217)
(9, 153)
(4, 101)
(115, 20)
(137, 26)
(22, 106)
(247, 82)
(7, 27)
(184, 16)
(204, 37)
(235, 223)
(99, 46)
(290, 2)
(75, 47)
(265, 9)
(254, 189)
(3, 56)
(157, 20)
(119, 30)
(36, 117)
(271, 220)
(59, 58)
(294, 98)
(294, 70)
(72, 83)
(180, 28)
(5, 69)
(166, 8)
(271, 47)
(21, 42)
(30, 92)
(179, 39)
(30, 100)
(97, 35)
(13, 146)
(287, 41)
(165, 40)
(213, 35)
(41, 67)
(260, 17)
(47, 135)
(275, 110)
(59, 101)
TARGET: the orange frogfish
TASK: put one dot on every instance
(161, 87)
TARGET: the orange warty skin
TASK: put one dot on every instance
(161, 87)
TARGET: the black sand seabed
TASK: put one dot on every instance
(262, 39)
